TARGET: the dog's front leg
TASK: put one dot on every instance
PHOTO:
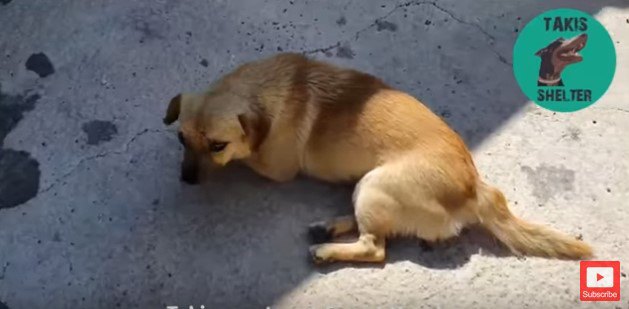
(327, 230)
(368, 248)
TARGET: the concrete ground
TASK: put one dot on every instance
(93, 214)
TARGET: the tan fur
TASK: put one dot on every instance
(287, 114)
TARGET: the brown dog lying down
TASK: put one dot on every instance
(288, 114)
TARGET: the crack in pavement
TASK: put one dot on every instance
(385, 16)
(491, 38)
(356, 35)
(323, 49)
(125, 148)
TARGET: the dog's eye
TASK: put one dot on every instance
(181, 139)
(217, 146)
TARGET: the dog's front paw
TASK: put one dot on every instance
(315, 257)
(319, 232)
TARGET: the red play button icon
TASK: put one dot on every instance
(600, 280)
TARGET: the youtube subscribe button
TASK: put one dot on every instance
(600, 281)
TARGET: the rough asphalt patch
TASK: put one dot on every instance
(99, 131)
(385, 25)
(345, 51)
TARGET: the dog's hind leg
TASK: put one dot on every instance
(368, 248)
(371, 207)
(326, 230)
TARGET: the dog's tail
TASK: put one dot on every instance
(524, 238)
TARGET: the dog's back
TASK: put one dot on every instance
(347, 122)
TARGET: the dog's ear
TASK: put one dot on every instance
(256, 126)
(174, 108)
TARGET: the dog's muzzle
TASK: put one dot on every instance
(190, 175)
(190, 168)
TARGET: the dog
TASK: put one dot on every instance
(288, 114)
(557, 56)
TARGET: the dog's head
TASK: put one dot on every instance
(561, 53)
(219, 127)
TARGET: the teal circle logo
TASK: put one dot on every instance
(564, 60)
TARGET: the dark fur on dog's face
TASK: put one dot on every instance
(559, 54)
(208, 131)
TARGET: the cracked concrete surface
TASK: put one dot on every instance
(106, 223)
(83, 160)
(380, 19)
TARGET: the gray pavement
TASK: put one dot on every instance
(93, 214)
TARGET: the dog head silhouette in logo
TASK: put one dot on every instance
(557, 56)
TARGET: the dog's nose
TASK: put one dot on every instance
(190, 176)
